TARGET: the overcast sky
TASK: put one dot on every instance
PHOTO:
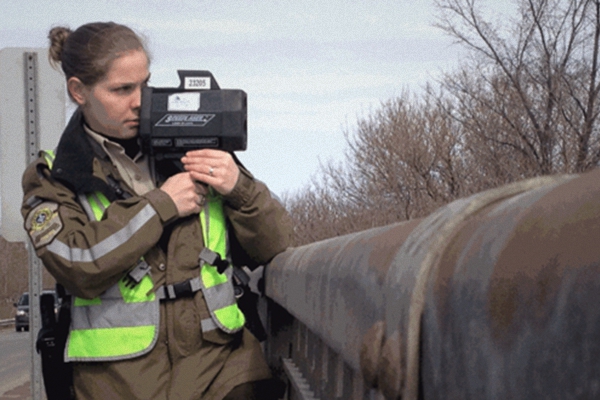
(310, 68)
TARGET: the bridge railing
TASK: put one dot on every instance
(491, 296)
(327, 296)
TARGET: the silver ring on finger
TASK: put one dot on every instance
(210, 171)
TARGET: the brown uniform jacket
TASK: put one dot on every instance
(88, 257)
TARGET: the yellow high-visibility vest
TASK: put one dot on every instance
(123, 321)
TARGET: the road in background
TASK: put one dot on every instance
(15, 359)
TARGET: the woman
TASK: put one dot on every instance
(149, 318)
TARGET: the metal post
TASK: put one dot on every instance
(32, 138)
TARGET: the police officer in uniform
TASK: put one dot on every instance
(152, 316)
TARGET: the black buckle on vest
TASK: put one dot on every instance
(176, 291)
(183, 289)
(213, 258)
(136, 275)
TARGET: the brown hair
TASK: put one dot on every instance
(88, 52)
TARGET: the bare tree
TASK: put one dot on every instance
(536, 81)
(524, 103)
(402, 161)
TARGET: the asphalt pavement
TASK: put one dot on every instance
(22, 392)
(15, 364)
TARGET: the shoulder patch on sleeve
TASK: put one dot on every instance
(43, 223)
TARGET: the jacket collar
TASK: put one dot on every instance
(74, 161)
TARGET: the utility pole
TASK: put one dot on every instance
(32, 116)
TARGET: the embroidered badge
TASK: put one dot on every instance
(43, 224)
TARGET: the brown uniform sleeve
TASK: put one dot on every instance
(260, 223)
(88, 257)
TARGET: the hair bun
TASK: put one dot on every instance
(58, 36)
(87, 52)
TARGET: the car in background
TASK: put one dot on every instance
(22, 315)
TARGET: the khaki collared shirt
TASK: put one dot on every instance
(135, 173)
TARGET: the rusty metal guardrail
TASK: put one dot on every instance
(492, 296)
(7, 322)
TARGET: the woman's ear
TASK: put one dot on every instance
(77, 90)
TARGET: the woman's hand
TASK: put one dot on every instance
(213, 167)
(187, 194)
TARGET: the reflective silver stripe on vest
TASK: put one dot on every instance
(222, 295)
(83, 200)
(99, 203)
(85, 203)
(119, 314)
(218, 297)
(208, 325)
(113, 312)
(107, 245)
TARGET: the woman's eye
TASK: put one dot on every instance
(124, 89)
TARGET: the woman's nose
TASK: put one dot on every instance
(136, 101)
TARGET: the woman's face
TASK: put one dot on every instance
(112, 106)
